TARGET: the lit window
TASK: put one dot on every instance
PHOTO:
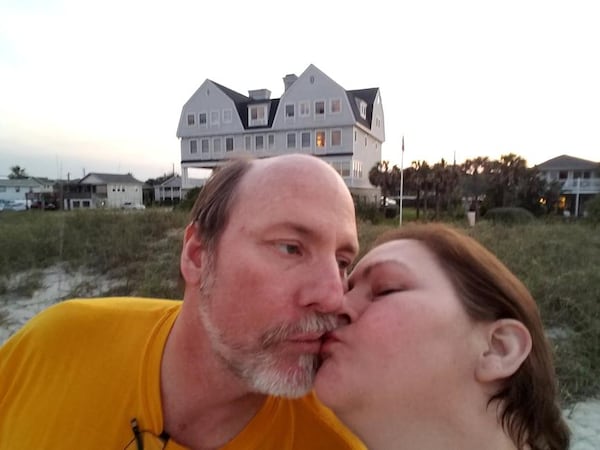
(193, 146)
(320, 140)
(289, 111)
(229, 144)
(291, 140)
(191, 119)
(320, 108)
(336, 138)
(336, 106)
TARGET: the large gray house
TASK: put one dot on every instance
(314, 115)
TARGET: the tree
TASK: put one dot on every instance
(17, 172)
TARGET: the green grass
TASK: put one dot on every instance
(559, 262)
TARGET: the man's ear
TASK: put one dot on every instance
(508, 343)
(191, 255)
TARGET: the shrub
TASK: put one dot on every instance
(509, 215)
(592, 209)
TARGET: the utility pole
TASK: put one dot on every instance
(401, 181)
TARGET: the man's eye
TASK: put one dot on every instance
(289, 249)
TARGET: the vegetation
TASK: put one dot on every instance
(17, 172)
(139, 251)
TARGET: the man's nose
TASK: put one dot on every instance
(324, 288)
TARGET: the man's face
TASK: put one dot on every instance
(270, 291)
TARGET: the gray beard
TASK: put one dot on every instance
(258, 363)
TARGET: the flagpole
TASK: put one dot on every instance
(401, 180)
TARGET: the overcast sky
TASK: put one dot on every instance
(99, 85)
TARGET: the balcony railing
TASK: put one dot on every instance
(584, 185)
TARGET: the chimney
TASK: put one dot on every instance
(260, 94)
(288, 80)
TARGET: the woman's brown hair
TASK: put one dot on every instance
(489, 291)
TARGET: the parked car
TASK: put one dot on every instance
(129, 205)
(15, 205)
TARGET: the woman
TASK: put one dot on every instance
(443, 349)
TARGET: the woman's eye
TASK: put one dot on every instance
(289, 249)
(384, 292)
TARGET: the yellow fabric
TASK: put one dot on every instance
(57, 392)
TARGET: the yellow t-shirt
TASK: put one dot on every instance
(77, 374)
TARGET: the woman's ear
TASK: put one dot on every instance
(191, 255)
(508, 343)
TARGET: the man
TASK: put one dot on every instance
(264, 262)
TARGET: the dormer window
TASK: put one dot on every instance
(320, 109)
(363, 109)
(257, 115)
(290, 111)
(191, 119)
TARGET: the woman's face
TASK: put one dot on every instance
(410, 342)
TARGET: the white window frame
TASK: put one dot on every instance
(287, 140)
(215, 118)
(248, 143)
(320, 105)
(262, 115)
(337, 133)
(323, 135)
(259, 142)
(191, 116)
(363, 109)
(291, 116)
(270, 141)
(304, 109)
(204, 115)
(229, 144)
(334, 101)
(204, 146)
(193, 146)
(308, 142)
(227, 116)
(217, 145)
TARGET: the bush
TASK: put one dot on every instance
(592, 209)
(509, 215)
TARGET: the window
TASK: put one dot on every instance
(304, 109)
(365, 141)
(76, 204)
(214, 118)
(2, 188)
(562, 175)
(377, 122)
(320, 109)
(290, 111)
(248, 143)
(320, 139)
(355, 136)
(271, 141)
(306, 139)
(217, 144)
(85, 203)
(227, 116)
(191, 119)
(577, 174)
(193, 146)
(259, 142)
(257, 115)
(228, 144)
(335, 106)
(202, 119)
(363, 109)
(336, 138)
(291, 140)
(357, 169)
(204, 145)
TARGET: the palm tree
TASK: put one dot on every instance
(17, 172)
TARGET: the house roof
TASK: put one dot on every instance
(242, 102)
(566, 162)
(106, 178)
(21, 182)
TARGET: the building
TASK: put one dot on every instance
(102, 190)
(170, 191)
(580, 181)
(23, 189)
(314, 115)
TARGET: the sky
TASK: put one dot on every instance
(98, 86)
